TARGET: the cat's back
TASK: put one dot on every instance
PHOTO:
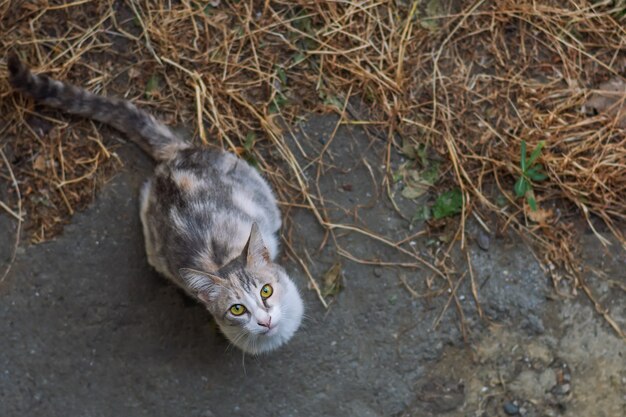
(219, 178)
(203, 202)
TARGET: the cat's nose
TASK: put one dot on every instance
(265, 323)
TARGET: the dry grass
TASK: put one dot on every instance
(470, 81)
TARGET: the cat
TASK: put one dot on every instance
(209, 219)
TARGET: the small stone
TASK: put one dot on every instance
(511, 409)
(378, 272)
(547, 380)
(563, 375)
(483, 240)
(534, 324)
(561, 389)
(540, 353)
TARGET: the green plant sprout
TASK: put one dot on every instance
(530, 171)
(448, 204)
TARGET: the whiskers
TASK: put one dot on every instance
(306, 319)
(251, 349)
(241, 340)
(237, 339)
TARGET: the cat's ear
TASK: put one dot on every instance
(203, 284)
(255, 253)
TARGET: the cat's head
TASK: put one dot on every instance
(252, 299)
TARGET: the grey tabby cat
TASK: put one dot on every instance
(209, 219)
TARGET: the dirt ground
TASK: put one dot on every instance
(90, 329)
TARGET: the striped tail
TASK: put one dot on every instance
(142, 128)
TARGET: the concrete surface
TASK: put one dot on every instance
(89, 329)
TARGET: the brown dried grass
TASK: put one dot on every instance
(469, 80)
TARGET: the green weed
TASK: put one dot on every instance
(248, 147)
(448, 204)
(152, 86)
(531, 171)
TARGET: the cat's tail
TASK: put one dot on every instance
(142, 128)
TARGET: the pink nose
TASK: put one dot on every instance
(267, 323)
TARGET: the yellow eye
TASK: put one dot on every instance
(267, 291)
(237, 309)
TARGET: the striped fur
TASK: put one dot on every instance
(142, 128)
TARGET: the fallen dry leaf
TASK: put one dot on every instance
(40, 163)
(417, 183)
(332, 280)
(133, 73)
(610, 98)
(540, 215)
(415, 188)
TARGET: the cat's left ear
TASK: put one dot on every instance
(255, 253)
(203, 284)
